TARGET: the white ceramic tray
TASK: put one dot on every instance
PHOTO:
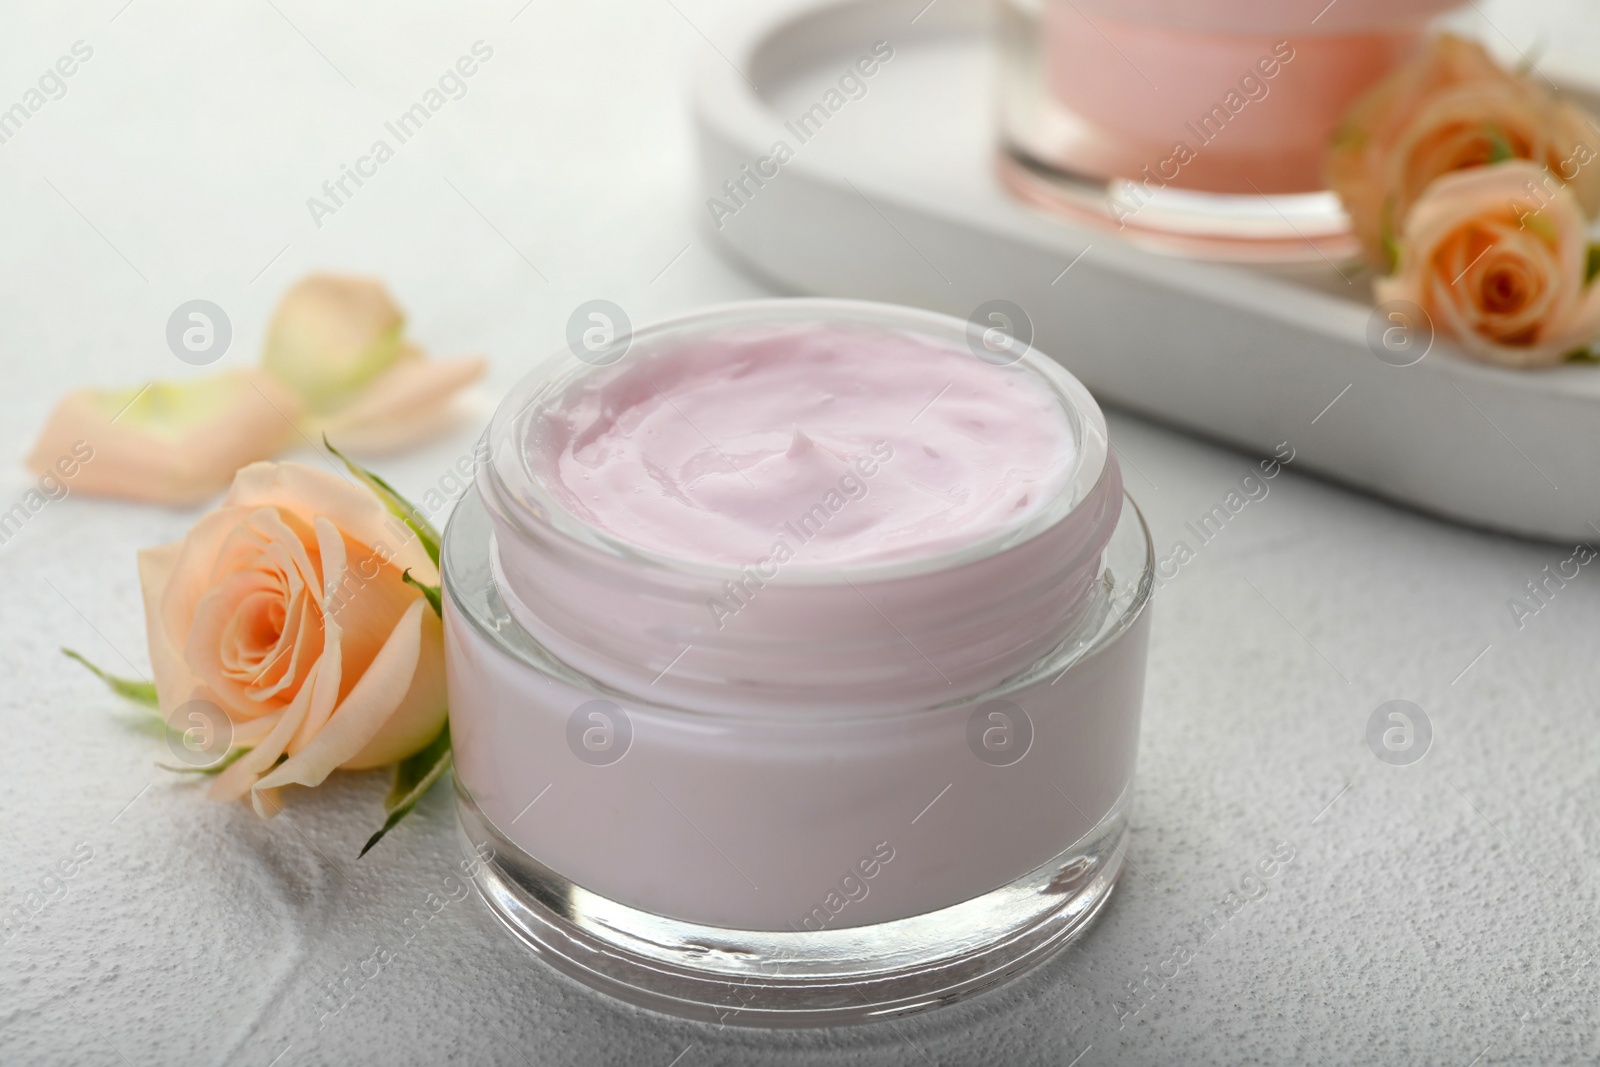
(894, 197)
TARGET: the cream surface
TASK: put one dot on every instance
(804, 445)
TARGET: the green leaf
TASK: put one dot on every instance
(216, 768)
(1499, 144)
(1387, 237)
(144, 694)
(1591, 265)
(1349, 137)
(429, 591)
(413, 777)
(139, 692)
(410, 772)
(398, 505)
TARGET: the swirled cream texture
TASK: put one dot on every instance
(811, 446)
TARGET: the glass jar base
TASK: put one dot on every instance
(1254, 228)
(795, 978)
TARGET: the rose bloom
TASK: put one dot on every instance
(285, 607)
(1502, 273)
(1450, 109)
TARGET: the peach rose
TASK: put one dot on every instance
(1450, 109)
(338, 342)
(286, 608)
(1502, 272)
(169, 442)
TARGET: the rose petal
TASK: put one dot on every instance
(252, 732)
(1574, 127)
(330, 336)
(238, 777)
(168, 443)
(175, 683)
(421, 715)
(412, 401)
(371, 704)
(205, 652)
(365, 603)
(261, 534)
(320, 691)
(357, 513)
(330, 548)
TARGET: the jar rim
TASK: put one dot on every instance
(519, 495)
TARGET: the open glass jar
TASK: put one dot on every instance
(1194, 126)
(875, 787)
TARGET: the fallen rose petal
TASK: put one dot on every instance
(330, 336)
(413, 400)
(168, 442)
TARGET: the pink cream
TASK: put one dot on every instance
(809, 449)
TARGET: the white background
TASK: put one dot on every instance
(1432, 913)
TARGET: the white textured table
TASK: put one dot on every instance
(1432, 913)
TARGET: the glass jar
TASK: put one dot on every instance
(888, 785)
(1194, 127)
